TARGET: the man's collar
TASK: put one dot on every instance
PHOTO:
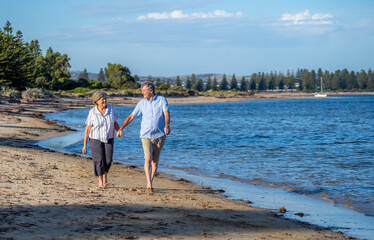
(154, 98)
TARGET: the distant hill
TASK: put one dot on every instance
(202, 76)
(183, 78)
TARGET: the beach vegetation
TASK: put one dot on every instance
(80, 90)
(12, 93)
(35, 93)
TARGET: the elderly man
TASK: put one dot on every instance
(155, 126)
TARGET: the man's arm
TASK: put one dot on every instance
(127, 121)
(167, 122)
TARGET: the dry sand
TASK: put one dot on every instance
(50, 195)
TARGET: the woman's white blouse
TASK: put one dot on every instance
(102, 126)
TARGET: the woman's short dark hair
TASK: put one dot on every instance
(149, 85)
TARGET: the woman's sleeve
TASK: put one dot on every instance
(115, 115)
(89, 120)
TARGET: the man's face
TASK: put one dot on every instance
(147, 93)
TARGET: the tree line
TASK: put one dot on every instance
(22, 65)
(302, 80)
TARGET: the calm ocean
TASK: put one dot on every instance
(314, 156)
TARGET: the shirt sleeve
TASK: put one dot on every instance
(165, 105)
(115, 115)
(137, 110)
(89, 120)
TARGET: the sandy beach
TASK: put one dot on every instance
(51, 195)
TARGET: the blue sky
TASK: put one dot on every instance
(180, 37)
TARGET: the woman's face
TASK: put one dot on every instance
(101, 103)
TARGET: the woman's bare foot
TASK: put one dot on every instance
(105, 179)
(101, 184)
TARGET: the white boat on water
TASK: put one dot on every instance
(321, 94)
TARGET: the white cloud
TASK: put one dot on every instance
(177, 14)
(305, 18)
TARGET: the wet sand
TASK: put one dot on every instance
(50, 195)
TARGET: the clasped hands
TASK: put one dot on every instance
(119, 133)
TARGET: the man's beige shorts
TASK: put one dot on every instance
(152, 147)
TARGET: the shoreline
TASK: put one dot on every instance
(47, 194)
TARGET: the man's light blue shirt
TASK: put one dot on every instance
(153, 118)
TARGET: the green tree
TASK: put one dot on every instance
(193, 81)
(223, 86)
(208, 84)
(200, 85)
(54, 67)
(262, 83)
(271, 84)
(188, 83)
(344, 79)
(362, 80)
(118, 76)
(370, 85)
(158, 82)
(150, 79)
(137, 81)
(291, 82)
(36, 52)
(318, 79)
(215, 84)
(327, 80)
(352, 83)
(243, 84)
(305, 80)
(101, 77)
(233, 83)
(281, 82)
(17, 62)
(335, 82)
(178, 82)
(252, 82)
(83, 75)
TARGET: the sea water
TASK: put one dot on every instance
(314, 156)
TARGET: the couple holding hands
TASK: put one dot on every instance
(102, 122)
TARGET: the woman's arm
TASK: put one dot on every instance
(86, 134)
(116, 126)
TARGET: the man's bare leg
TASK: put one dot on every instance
(148, 172)
(154, 169)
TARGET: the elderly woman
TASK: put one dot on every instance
(100, 125)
